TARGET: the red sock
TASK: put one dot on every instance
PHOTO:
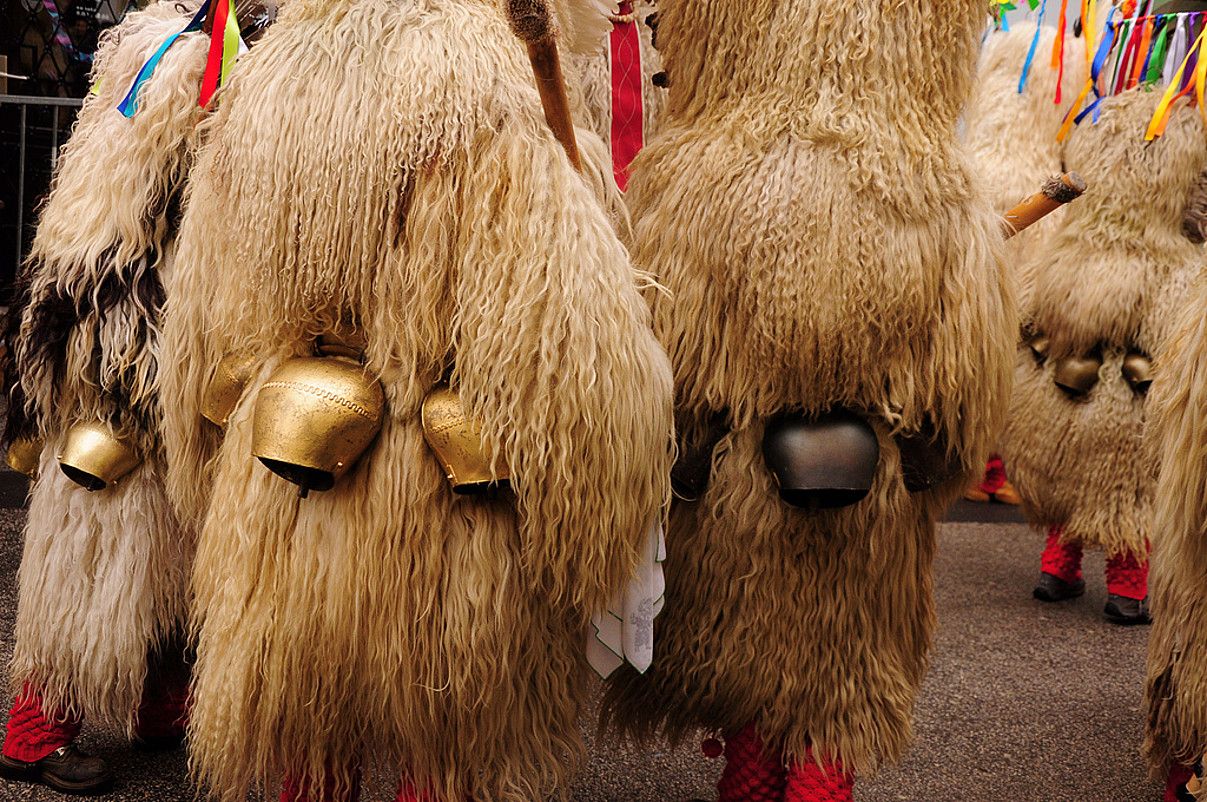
(809, 782)
(1061, 560)
(1178, 776)
(32, 734)
(752, 774)
(301, 791)
(995, 474)
(1127, 577)
(164, 709)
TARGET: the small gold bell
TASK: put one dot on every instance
(314, 418)
(1077, 375)
(456, 440)
(94, 458)
(1138, 371)
(1039, 345)
(24, 455)
(226, 387)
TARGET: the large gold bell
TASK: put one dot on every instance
(314, 418)
(1077, 375)
(24, 455)
(94, 458)
(226, 387)
(456, 439)
(1138, 371)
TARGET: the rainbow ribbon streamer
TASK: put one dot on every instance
(129, 105)
(224, 50)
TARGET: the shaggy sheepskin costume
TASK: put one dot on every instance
(411, 189)
(1013, 137)
(104, 575)
(1108, 286)
(820, 231)
(1177, 656)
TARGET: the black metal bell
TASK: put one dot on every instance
(820, 463)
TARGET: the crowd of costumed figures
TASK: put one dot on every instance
(392, 373)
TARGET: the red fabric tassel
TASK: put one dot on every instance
(628, 112)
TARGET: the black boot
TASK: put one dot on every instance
(1054, 589)
(66, 769)
(1126, 612)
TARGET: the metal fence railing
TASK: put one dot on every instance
(32, 129)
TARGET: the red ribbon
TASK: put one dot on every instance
(213, 65)
(628, 114)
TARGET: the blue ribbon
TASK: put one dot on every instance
(1022, 80)
(1100, 59)
(129, 104)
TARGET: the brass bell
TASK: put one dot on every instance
(456, 440)
(24, 455)
(1138, 371)
(1039, 345)
(94, 458)
(1077, 375)
(314, 418)
(821, 463)
(226, 387)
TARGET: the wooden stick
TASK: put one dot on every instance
(1056, 193)
(531, 22)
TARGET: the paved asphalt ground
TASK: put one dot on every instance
(1024, 703)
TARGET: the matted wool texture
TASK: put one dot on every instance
(1177, 648)
(1112, 279)
(824, 243)
(103, 577)
(388, 619)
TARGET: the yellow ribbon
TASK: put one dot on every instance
(1161, 117)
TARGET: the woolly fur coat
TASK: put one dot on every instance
(818, 225)
(388, 164)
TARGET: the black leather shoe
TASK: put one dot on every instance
(1054, 589)
(66, 769)
(1126, 612)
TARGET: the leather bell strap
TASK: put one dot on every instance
(628, 112)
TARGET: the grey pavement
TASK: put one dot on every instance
(1024, 702)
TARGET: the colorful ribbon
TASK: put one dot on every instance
(129, 105)
(1022, 81)
(1156, 128)
(224, 50)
